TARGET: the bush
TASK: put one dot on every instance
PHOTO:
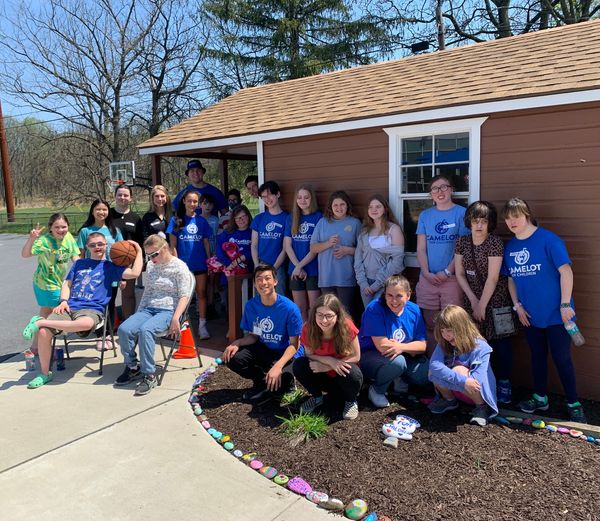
(303, 427)
(292, 398)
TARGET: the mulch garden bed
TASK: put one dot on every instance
(451, 470)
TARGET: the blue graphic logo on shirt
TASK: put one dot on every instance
(266, 325)
(442, 227)
(521, 257)
(522, 269)
(192, 228)
(85, 284)
(399, 335)
(272, 225)
(303, 228)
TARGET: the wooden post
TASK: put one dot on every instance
(156, 173)
(224, 173)
(8, 187)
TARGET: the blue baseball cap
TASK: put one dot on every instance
(194, 163)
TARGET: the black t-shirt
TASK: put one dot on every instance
(130, 225)
(152, 223)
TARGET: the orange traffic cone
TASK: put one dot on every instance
(186, 345)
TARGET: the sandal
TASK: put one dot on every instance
(108, 344)
(31, 329)
(40, 380)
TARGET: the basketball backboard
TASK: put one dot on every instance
(122, 172)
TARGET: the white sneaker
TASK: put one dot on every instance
(400, 386)
(378, 400)
(203, 332)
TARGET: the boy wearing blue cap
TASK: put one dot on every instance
(195, 172)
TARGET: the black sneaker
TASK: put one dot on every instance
(146, 385)
(256, 392)
(128, 375)
(576, 413)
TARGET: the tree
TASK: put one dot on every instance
(273, 40)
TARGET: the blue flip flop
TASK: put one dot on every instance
(31, 328)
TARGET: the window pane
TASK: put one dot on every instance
(417, 150)
(458, 174)
(415, 179)
(450, 148)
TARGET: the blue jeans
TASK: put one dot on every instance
(382, 371)
(142, 327)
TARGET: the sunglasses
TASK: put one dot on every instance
(154, 254)
(96, 244)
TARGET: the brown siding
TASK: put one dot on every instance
(356, 162)
(551, 158)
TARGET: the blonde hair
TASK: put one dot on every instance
(168, 205)
(464, 329)
(341, 333)
(155, 241)
(296, 212)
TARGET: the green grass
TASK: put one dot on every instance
(303, 427)
(292, 399)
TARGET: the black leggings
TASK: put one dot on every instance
(346, 387)
(254, 361)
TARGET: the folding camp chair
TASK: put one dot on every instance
(163, 337)
(103, 326)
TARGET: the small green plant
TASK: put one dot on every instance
(292, 398)
(303, 427)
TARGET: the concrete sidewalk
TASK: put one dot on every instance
(78, 448)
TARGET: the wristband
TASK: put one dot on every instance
(447, 272)
(517, 306)
(565, 305)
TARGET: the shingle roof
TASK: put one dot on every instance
(546, 62)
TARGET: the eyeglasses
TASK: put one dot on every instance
(154, 254)
(96, 244)
(326, 316)
(441, 188)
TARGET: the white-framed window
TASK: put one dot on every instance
(419, 152)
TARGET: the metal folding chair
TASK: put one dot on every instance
(163, 337)
(104, 325)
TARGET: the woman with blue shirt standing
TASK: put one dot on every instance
(268, 229)
(541, 286)
(437, 231)
(189, 240)
(303, 267)
(392, 342)
(334, 242)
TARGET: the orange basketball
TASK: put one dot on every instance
(122, 253)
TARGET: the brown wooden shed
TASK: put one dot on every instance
(512, 117)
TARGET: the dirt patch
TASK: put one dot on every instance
(450, 470)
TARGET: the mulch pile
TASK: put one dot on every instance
(450, 470)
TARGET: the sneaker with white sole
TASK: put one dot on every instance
(480, 415)
(535, 403)
(128, 375)
(146, 385)
(377, 399)
(440, 405)
(310, 404)
(203, 332)
(350, 411)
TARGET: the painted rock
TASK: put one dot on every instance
(501, 420)
(332, 504)
(527, 421)
(225, 439)
(268, 472)
(299, 486)
(356, 509)
(591, 439)
(575, 433)
(211, 370)
(551, 428)
(194, 398)
(228, 445)
(198, 411)
(199, 389)
(206, 424)
(218, 361)
(217, 434)
(202, 417)
(281, 479)
(597, 441)
(317, 497)
(514, 420)
(407, 420)
(211, 431)
(249, 457)
(563, 430)
(238, 453)
(370, 517)
(538, 424)
(392, 442)
(256, 464)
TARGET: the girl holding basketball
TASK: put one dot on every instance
(189, 240)
(53, 250)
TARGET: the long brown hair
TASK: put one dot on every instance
(338, 194)
(386, 220)
(341, 333)
(296, 212)
(464, 329)
(232, 226)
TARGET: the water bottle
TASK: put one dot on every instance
(29, 360)
(576, 335)
(59, 355)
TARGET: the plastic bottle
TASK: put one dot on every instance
(59, 354)
(29, 360)
(576, 335)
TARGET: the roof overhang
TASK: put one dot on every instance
(247, 143)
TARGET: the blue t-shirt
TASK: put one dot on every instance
(336, 272)
(301, 241)
(190, 241)
(91, 286)
(270, 229)
(88, 230)
(378, 320)
(533, 265)
(217, 195)
(274, 325)
(243, 239)
(442, 228)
